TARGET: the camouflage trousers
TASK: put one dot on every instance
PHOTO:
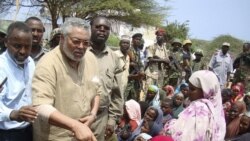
(133, 90)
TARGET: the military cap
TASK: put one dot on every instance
(226, 44)
(176, 40)
(198, 52)
(187, 42)
(125, 37)
(137, 35)
(160, 30)
(54, 32)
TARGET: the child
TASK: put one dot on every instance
(226, 97)
(245, 123)
(184, 90)
(125, 134)
(233, 120)
(166, 107)
(178, 100)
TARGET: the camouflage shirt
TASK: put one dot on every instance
(242, 73)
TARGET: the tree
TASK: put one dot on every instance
(133, 12)
(5, 5)
(177, 30)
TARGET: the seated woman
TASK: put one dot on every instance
(184, 90)
(169, 91)
(131, 115)
(153, 114)
(151, 128)
(153, 96)
(178, 100)
(203, 119)
(237, 94)
(233, 120)
(130, 119)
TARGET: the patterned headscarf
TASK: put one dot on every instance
(208, 82)
(170, 90)
(205, 116)
(156, 100)
(134, 110)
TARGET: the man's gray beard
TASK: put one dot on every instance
(68, 53)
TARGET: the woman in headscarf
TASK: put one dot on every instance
(237, 94)
(178, 100)
(131, 116)
(169, 91)
(153, 96)
(235, 113)
(130, 120)
(151, 128)
(183, 89)
(203, 119)
(153, 114)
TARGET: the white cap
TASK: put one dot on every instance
(125, 37)
(226, 44)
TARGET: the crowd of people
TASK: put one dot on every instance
(77, 88)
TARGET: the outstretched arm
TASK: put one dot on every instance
(80, 131)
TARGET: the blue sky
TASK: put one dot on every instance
(211, 18)
(207, 18)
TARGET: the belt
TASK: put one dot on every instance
(16, 130)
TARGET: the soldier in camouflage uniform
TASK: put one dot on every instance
(158, 58)
(54, 38)
(187, 58)
(198, 63)
(136, 70)
(174, 72)
(242, 73)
